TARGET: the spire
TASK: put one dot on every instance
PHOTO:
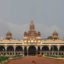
(32, 33)
(32, 26)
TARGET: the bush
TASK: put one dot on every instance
(3, 58)
(56, 56)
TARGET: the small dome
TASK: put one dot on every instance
(9, 33)
(39, 34)
(25, 33)
(55, 33)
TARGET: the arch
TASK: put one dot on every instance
(38, 51)
(25, 51)
(10, 48)
(45, 48)
(32, 50)
(2, 48)
(54, 48)
(19, 48)
(61, 48)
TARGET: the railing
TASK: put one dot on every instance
(11, 52)
(22, 52)
(53, 52)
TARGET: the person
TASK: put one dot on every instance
(33, 62)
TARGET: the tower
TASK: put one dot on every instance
(32, 33)
(32, 26)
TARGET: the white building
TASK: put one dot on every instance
(32, 44)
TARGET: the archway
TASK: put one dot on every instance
(61, 48)
(10, 48)
(25, 51)
(54, 48)
(38, 51)
(45, 48)
(19, 48)
(32, 50)
(2, 48)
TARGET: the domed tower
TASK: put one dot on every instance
(32, 26)
(39, 34)
(25, 33)
(8, 35)
(32, 33)
(55, 35)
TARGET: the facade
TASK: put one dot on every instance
(32, 44)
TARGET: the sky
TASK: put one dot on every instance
(15, 16)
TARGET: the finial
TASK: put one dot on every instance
(32, 22)
(32, 26)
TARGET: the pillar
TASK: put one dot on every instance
(5, 50)
(27, 50)
(36, 49)
(14, 50)
(23, 50)
(40, 49)
(58, 46)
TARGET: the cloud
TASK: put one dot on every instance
(47, 30)
(49, 16)
(19, 29)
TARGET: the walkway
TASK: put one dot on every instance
(36, 60)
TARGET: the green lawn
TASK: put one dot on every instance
(56, 56)
(3, 58)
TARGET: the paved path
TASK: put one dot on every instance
(36, 60)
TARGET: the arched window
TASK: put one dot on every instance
(54, 48)
(19, 48)
(45, 48)
(32, 50)
(10, 48)
(61, 48)
(2, 48)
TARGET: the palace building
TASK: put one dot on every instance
(32, 44)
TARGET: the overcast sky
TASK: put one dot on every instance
(15, 16)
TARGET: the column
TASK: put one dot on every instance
(36, 49)
(14, 50)
(5, 50)
(58, 46)
(49, 48)
(23, 50)
(40, 49)
(27, 50)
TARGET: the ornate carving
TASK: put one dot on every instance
(32, 33)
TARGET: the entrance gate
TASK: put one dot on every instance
(32, 50)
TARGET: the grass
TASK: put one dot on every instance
(3, 58)
(56, 56)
